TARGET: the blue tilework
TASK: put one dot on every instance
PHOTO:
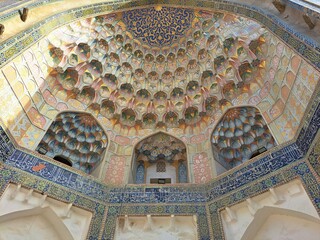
(6, 147)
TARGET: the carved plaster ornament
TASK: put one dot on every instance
(279, 6)
(24, 14)
(308, 21)
(2, 28)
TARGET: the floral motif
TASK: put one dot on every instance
(158, 26)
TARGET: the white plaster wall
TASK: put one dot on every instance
(33, 224)
(156, 227)
(284, 227)
(17, 199)
(290, 196)
(170, 173)
(34, 227)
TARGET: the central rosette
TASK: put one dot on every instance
(160, 26)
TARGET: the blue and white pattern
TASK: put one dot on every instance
(109, 202)
(140, 173)
(6, 147)
(183, 173)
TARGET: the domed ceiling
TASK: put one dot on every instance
(157, 67)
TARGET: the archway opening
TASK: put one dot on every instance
(160, 159)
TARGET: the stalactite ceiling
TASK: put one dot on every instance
(157, 67)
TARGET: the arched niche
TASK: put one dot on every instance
(159, 159)
(280, 223)
(37, 223)
(240, 135)
(76, 139)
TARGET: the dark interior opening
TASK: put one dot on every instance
(258, 152)
(42, 150)
(63, 160)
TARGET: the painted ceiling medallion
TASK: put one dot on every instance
(158, 26)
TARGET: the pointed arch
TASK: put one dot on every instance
(268, 220)
(32, 223)
(158, 149)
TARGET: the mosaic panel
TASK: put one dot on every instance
(38, 115)
(59, 175)
(272, 22)
(115, 170)
(6, 146)
(132, 83)
(201, 168)
(246, 181)
(247, 175)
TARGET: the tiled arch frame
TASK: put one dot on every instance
(187, 159)
(281, 165)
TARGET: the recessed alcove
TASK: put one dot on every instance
(168, 227)
(90, 58)
(75, 139)
(240, 135)
(63, 160)
(159, 159)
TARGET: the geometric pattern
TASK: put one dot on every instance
(254, 177)
(241, 132)
(158, 26)
(77, 137)
(124, 71)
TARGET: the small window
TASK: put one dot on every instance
(161, 166)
